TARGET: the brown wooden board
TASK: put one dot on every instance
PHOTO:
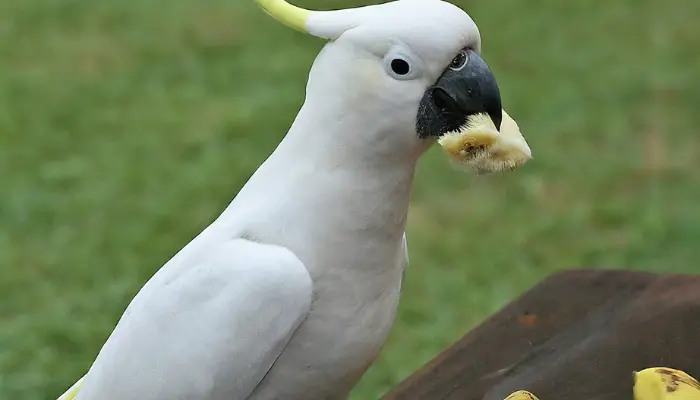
(576, 335)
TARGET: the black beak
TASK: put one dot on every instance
(458, 94)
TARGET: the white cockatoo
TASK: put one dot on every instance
(291, 292)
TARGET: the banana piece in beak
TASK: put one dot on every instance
(479, 146)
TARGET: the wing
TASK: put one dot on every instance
(209, 329)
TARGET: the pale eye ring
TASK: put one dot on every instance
(459, 61)
(401, 65)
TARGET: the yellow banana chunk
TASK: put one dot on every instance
(478, 145)
(661, 383)
(522, 395)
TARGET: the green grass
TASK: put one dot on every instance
(127, 125)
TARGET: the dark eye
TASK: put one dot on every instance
(459, 61)
(400, 67)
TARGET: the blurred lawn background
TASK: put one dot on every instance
(126, 126)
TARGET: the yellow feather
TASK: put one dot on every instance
(292, 16)
(72, 391)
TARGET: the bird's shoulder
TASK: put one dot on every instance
(230, 270)
(261, 270)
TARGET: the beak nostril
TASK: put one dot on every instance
(442, 100)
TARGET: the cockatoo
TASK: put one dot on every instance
(291, 292)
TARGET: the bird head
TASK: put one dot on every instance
(411, 68)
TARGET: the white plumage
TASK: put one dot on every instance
(291, 292)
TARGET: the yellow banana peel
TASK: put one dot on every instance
(522, 395)
(662, 383)
(655, 383)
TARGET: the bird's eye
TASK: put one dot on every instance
(459, 61)
(400, 67)
(400, 64)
